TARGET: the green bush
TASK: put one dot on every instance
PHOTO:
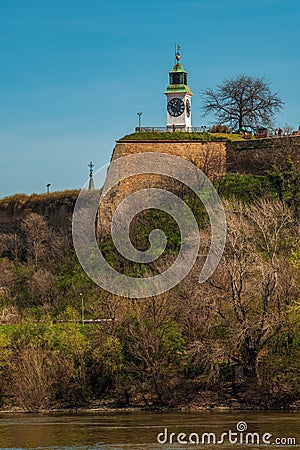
(245, 187)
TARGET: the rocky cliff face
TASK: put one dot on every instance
(56, 208)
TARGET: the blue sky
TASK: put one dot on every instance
(75, 73)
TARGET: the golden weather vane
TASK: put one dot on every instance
(177, 53)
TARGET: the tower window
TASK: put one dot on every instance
(175, 78)
(178, 78)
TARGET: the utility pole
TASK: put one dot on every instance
(82, 308)
(139, 114)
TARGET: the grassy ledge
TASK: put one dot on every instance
(181, 136)
(28, 201)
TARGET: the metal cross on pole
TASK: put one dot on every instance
(91, 182)
(91, 165)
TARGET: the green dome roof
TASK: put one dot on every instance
(178, 68)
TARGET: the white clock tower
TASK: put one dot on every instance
(178, 99)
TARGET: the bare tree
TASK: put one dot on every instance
(155, 344)
(255, 281)
(37, 235)
(33, 377)
(236, 315)
(42, 287)
(242, 102)
(14, 245)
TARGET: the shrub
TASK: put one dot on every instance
(220, 129)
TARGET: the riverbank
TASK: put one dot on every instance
(111, 405)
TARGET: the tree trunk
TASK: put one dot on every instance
(250, 354)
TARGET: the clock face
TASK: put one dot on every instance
(188, 107)
(175, 107)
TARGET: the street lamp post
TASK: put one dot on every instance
(48, 187)
(82, 308)
(139, 114)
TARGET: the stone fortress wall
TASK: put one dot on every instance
(215, 159)
(209, 156)
(258, 155)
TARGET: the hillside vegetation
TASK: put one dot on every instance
(38, 201)
(232, 341)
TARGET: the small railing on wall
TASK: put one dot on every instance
(167, 129)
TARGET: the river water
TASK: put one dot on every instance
(148, 430)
